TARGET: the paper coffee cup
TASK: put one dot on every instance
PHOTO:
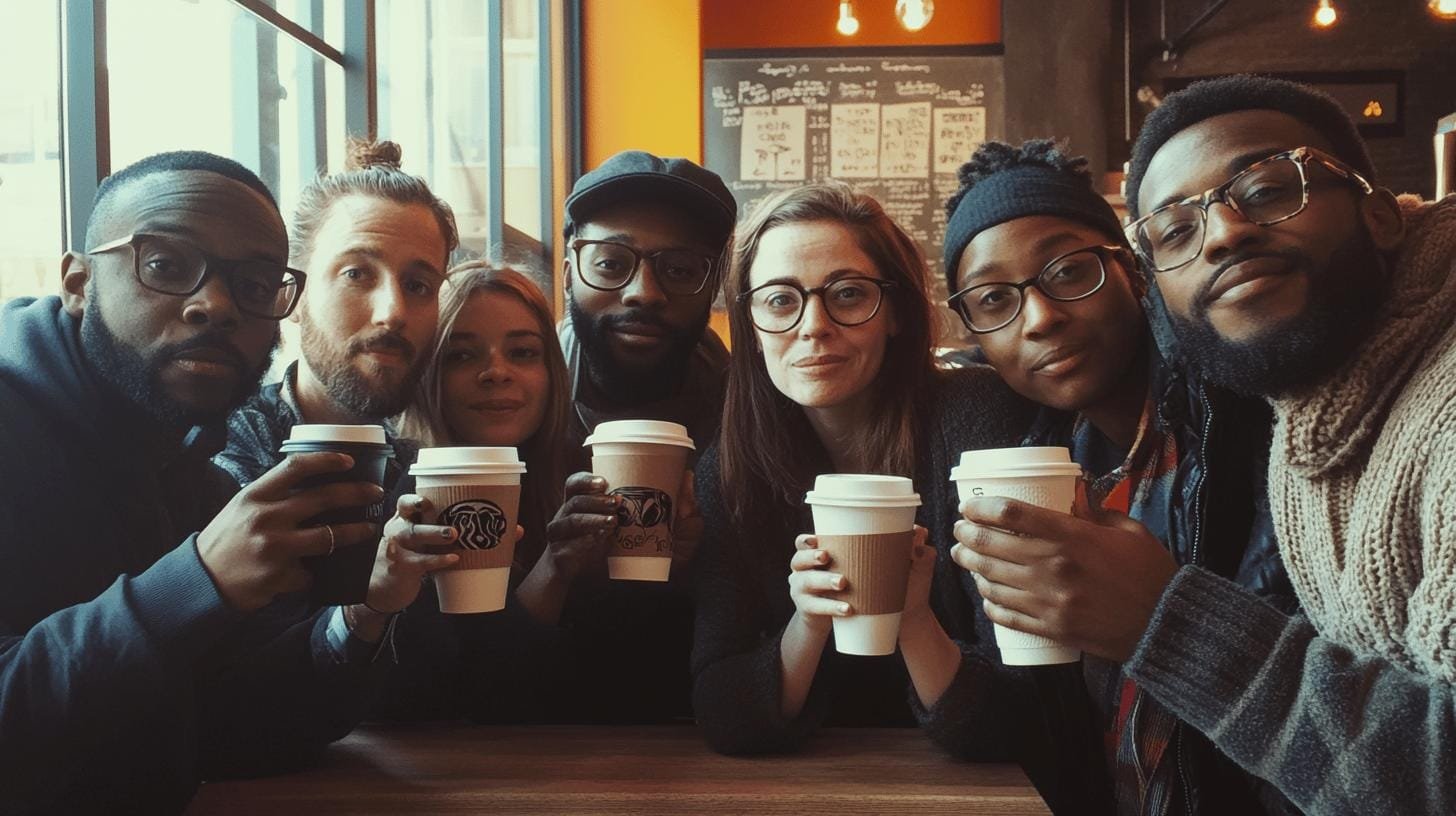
(643, 462)
(342, 577)
(478, 492)
(1046, 477)
(866, 524)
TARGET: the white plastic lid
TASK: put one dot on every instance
(1014, 462)
(649, 431)
(464, 461)
(862, 490)
(352, 434)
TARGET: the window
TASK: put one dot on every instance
(30, 151)
(274, 84)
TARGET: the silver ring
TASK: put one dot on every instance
(332, 541)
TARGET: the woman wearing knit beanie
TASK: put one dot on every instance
(1044, 278)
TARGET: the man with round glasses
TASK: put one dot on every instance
(1044, 279)
(137, 652)
(645, 240)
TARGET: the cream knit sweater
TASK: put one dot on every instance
(1362, 476)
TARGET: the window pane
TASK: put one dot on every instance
(30, 156)
(431, 60)
(325, 18)
(523, 98)
(226, 83)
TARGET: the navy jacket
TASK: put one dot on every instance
(124, 676)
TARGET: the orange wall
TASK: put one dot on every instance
(810, 24)
(641, 75)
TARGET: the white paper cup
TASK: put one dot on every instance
(478, 492)
(643, 462)
(873, 518)
(1046, 477)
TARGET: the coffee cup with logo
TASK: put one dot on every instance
(477, 491)
(644, 462)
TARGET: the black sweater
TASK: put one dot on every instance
(743, 603)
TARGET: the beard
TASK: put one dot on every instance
(1343, 300)
(137, 377)
(629, 384)
(362, 396)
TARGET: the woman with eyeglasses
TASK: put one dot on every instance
(832, 373)
(1043, 277)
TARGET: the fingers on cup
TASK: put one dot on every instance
(808, 559)
(584, 484)
(806, 541)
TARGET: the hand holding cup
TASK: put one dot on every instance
(252, 548)
(577, 537)
(809, 580)
(408, 552)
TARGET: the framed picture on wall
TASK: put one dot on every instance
(1374, 99)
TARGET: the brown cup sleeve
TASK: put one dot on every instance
(484, 516)
(647, 485)
(876, 567)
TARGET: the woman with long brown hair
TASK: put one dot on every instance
(832, 372)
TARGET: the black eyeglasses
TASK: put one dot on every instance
(777, 307)
(1266, 192)
(986, 307)
(173, 266)
(608, 266)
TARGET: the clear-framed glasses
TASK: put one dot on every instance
(172, 266)
(777, 307)
(986, 307)
(1266, 192)
(608, 266)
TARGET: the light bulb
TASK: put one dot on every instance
(848, 24)
(915, 14)
(1445, 9)
(1325, 15)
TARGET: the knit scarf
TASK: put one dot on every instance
(1362, 474)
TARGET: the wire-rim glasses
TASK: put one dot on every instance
(1265, 193)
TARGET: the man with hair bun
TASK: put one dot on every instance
(375, 243)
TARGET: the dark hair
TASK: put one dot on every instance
(545, 450)
(765, 447)
(176, 160)
(372, 169)
(1240, 92)
(996, 157)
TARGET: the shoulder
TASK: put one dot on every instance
(255, 432)
(975, 403)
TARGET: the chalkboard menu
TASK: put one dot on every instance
(895, 124)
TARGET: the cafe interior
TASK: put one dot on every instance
(501, 106)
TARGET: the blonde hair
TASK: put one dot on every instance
(544, 451)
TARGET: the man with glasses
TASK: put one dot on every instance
(1280, 270)
(138, 652)
(645, 240)
(1044, 279)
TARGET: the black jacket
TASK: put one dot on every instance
(124, 676)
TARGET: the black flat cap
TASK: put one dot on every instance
(636, 175)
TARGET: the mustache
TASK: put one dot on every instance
(382, 341)
(612, 321)
(1291, 256)
(210, 339)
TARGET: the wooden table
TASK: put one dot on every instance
(463, 769)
